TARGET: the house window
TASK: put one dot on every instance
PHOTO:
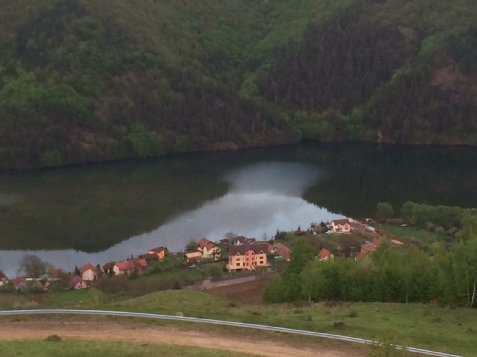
(237, 265)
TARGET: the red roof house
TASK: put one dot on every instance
(203, 243)
(368, 248)
(282, 250)
(341, 225)
(88, 272)
(324, 254)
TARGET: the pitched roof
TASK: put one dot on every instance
(149, 256)
(283, 250)
(210, 246)
(19, 280)
(368, 247)
(107, 266)
(203, 243)
(2, 275)
(86, 267)
(242, 249)
(340, 221)
(324, 253)
(360, 255)
(125, 265)
(75, 280)
(140, 262)
(157, 250)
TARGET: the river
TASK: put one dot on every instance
(110, 211)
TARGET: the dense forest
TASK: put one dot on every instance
(88, 80)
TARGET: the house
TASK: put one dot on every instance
(128, 266)
(247, 256)
(452, 231)
(325, 254)
(3, 278)
(368, 248)
(281, 250)
(107, 268)
(359, 256)
(54, 273)
(340, 226)
(77, 283)
(208, 249)
(161, 252)
(192, 257)
(149, 257)
(224, 241)
(20, 283)
(88, 272)
(299, 232)
(240, 240)
(140, 265)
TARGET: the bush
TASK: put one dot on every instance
(53, 338)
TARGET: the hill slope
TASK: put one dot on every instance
(87, 80)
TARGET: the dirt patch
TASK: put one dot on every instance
(143, 333)
(249, 292)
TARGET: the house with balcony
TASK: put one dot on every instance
(247, 256)
(340, 226)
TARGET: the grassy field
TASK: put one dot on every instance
(412, 232)
(105, 349)
(441, 329)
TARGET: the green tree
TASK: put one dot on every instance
(384, 210)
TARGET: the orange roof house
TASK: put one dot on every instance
(325, 254)
(88, 272)
(368, 248)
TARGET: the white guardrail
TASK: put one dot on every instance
(214, 322)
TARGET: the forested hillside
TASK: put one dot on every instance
(91, 80)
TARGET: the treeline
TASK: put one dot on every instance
(422, 215)
(85, 81)
(74, 88)
(390, 274)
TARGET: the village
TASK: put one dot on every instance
(232, 257)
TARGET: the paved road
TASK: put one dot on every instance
(212, 322)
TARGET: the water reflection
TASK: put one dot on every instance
(262, 198)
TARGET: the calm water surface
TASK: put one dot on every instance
(104, 212)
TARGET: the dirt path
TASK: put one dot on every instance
(143, 333)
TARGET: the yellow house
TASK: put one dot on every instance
(160, 252)
(325, 254)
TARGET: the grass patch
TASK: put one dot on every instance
(417, 322)
(407, 233)
(106, 349)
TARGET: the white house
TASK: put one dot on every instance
(88, 272)
(341, 226)
(208, 249)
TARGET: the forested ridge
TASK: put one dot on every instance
(89, 80)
